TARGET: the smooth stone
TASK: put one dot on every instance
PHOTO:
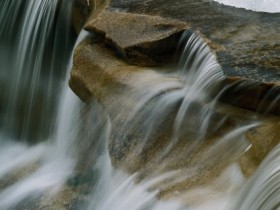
(141, 39)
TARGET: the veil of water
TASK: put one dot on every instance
(34, 55)
(36, 41)
(167, 130)
(271, 6)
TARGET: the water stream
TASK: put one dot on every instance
(58, 153)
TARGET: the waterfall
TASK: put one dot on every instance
(263, 190)
(36, 40)
(164, 132)
(175, 112)
(35, 43)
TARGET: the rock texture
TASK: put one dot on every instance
(112, 62)
(247, 43)
(99, 72)
(142, 39)
(250, 94)
(84, 10)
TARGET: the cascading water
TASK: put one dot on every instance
(185, 98)
(36, 40)
(178, 111)
(263, 190)
(34, 54)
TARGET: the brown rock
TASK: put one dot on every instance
(141, 39)
(249, 94)
(246, 42)
(99, 72)
(263, 139)
(84, 10)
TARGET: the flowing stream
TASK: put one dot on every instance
(58, 153)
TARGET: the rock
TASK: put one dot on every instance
(81, 12)
(253, 95)
(247, 43)
(263, 139)
(98, 72)
(84, 9)
(142, 39)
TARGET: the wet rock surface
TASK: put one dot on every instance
(246, 43)
(110, 80)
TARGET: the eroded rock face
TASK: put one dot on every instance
(99, 71)
(142, 39)
(246, 43)
(263, 138)
(86, 9)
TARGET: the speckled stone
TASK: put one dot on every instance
(141, 39)
(246, 43)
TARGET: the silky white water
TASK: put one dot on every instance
(81, 141)
(35, 49)
(34, 56)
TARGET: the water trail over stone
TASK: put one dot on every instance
(113, 189)
(175, 108)
(166, 130)
(262, 191)
(165, 123)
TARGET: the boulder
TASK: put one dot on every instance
(141, 39)
(107, 66)
(246, 43)
(84, 9)
(99, 72)
(263, 138)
